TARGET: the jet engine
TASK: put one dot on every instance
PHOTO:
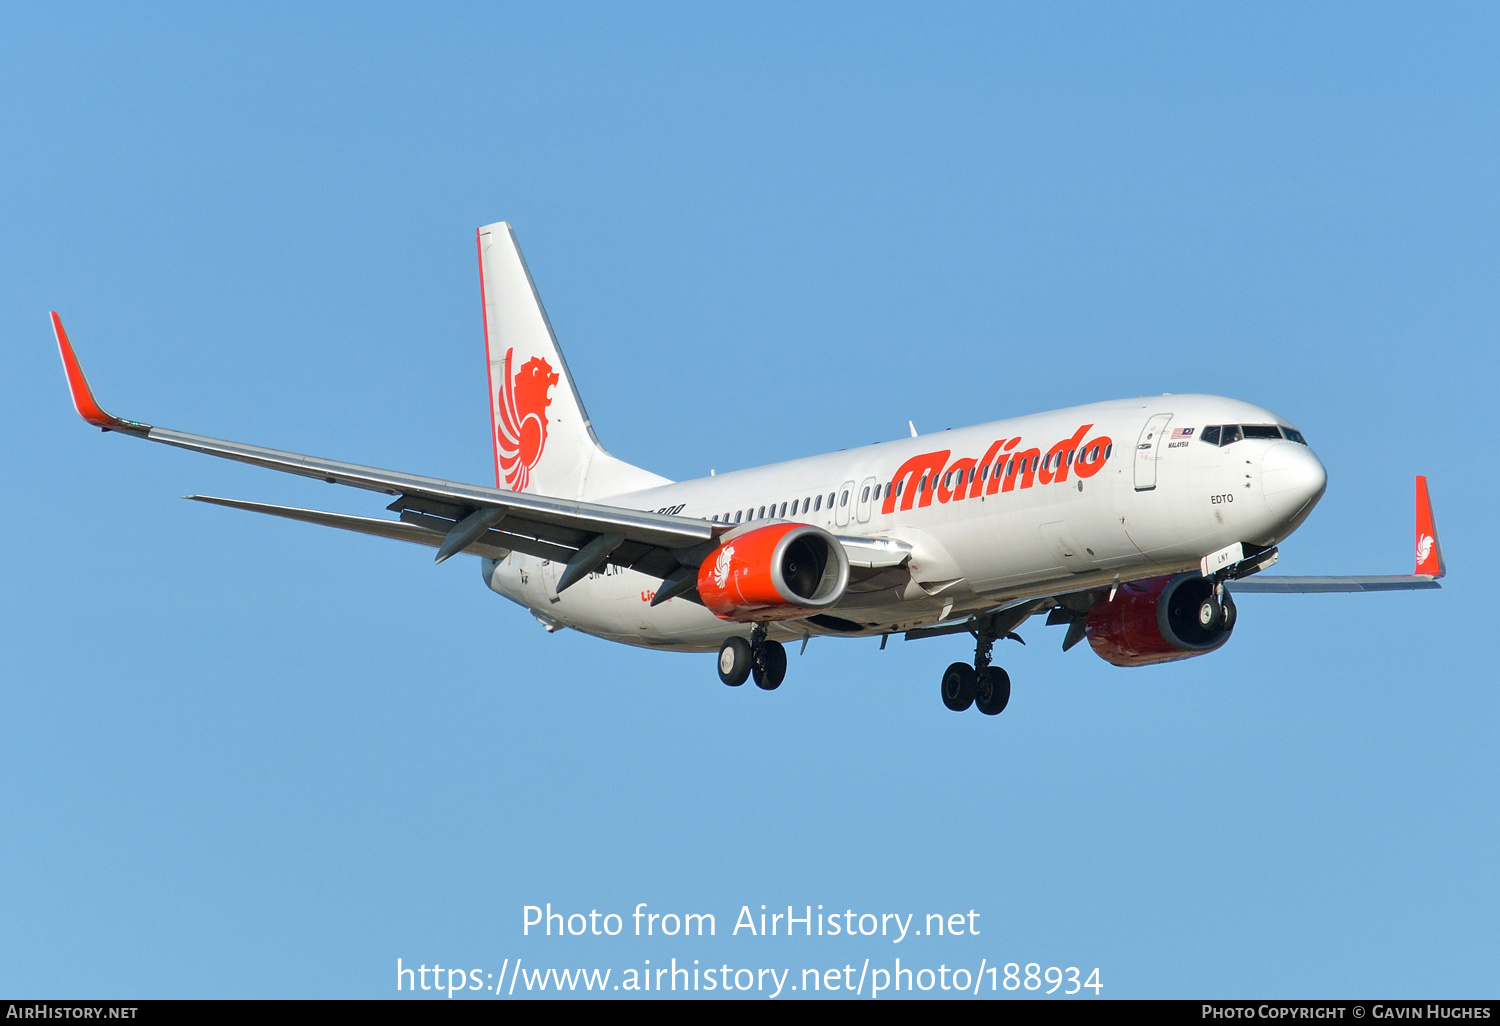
(777, 572)
(1159, 620)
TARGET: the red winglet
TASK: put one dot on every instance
(83, 397)
(1429, 552)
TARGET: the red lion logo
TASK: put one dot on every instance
(522, 433)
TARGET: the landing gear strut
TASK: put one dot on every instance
(759, 658)
(984, 686)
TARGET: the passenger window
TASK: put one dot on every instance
(830, 500)
(1210, 434)
(716, 518)
(1109, 449)
(818, 504)
(737, 516)
(864, 496)
(762, 514)
(805, 506)
(1070, 456)
(783, 509)
(844, 499)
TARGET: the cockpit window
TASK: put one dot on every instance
(1228, 434)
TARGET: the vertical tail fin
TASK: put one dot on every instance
(541, 432)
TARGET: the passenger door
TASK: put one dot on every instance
(1147, 449)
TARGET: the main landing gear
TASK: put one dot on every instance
(983, 686)
(764, 660)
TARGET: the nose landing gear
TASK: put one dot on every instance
(1217, 612)
(983, 686)
(759, 658)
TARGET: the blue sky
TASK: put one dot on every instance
(244, 757)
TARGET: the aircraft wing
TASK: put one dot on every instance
(1430, 566)
(453, 516)
(1311, 585)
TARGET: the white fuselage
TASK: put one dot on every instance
(1146, 505)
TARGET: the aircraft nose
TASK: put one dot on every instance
(1292, 480)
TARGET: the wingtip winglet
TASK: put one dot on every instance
(83, 397)
(1429, 550)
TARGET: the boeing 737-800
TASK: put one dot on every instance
(1133, 522)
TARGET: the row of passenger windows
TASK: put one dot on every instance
(1228, 434)
(811, 504)
(814, 503)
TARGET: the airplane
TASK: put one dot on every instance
(1133, 522)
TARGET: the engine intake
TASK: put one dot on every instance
(1157, 621)
(777, 572)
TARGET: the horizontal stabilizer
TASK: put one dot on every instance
(397, 529)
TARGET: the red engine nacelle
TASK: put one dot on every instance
(777, 572)
(1157, 621)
